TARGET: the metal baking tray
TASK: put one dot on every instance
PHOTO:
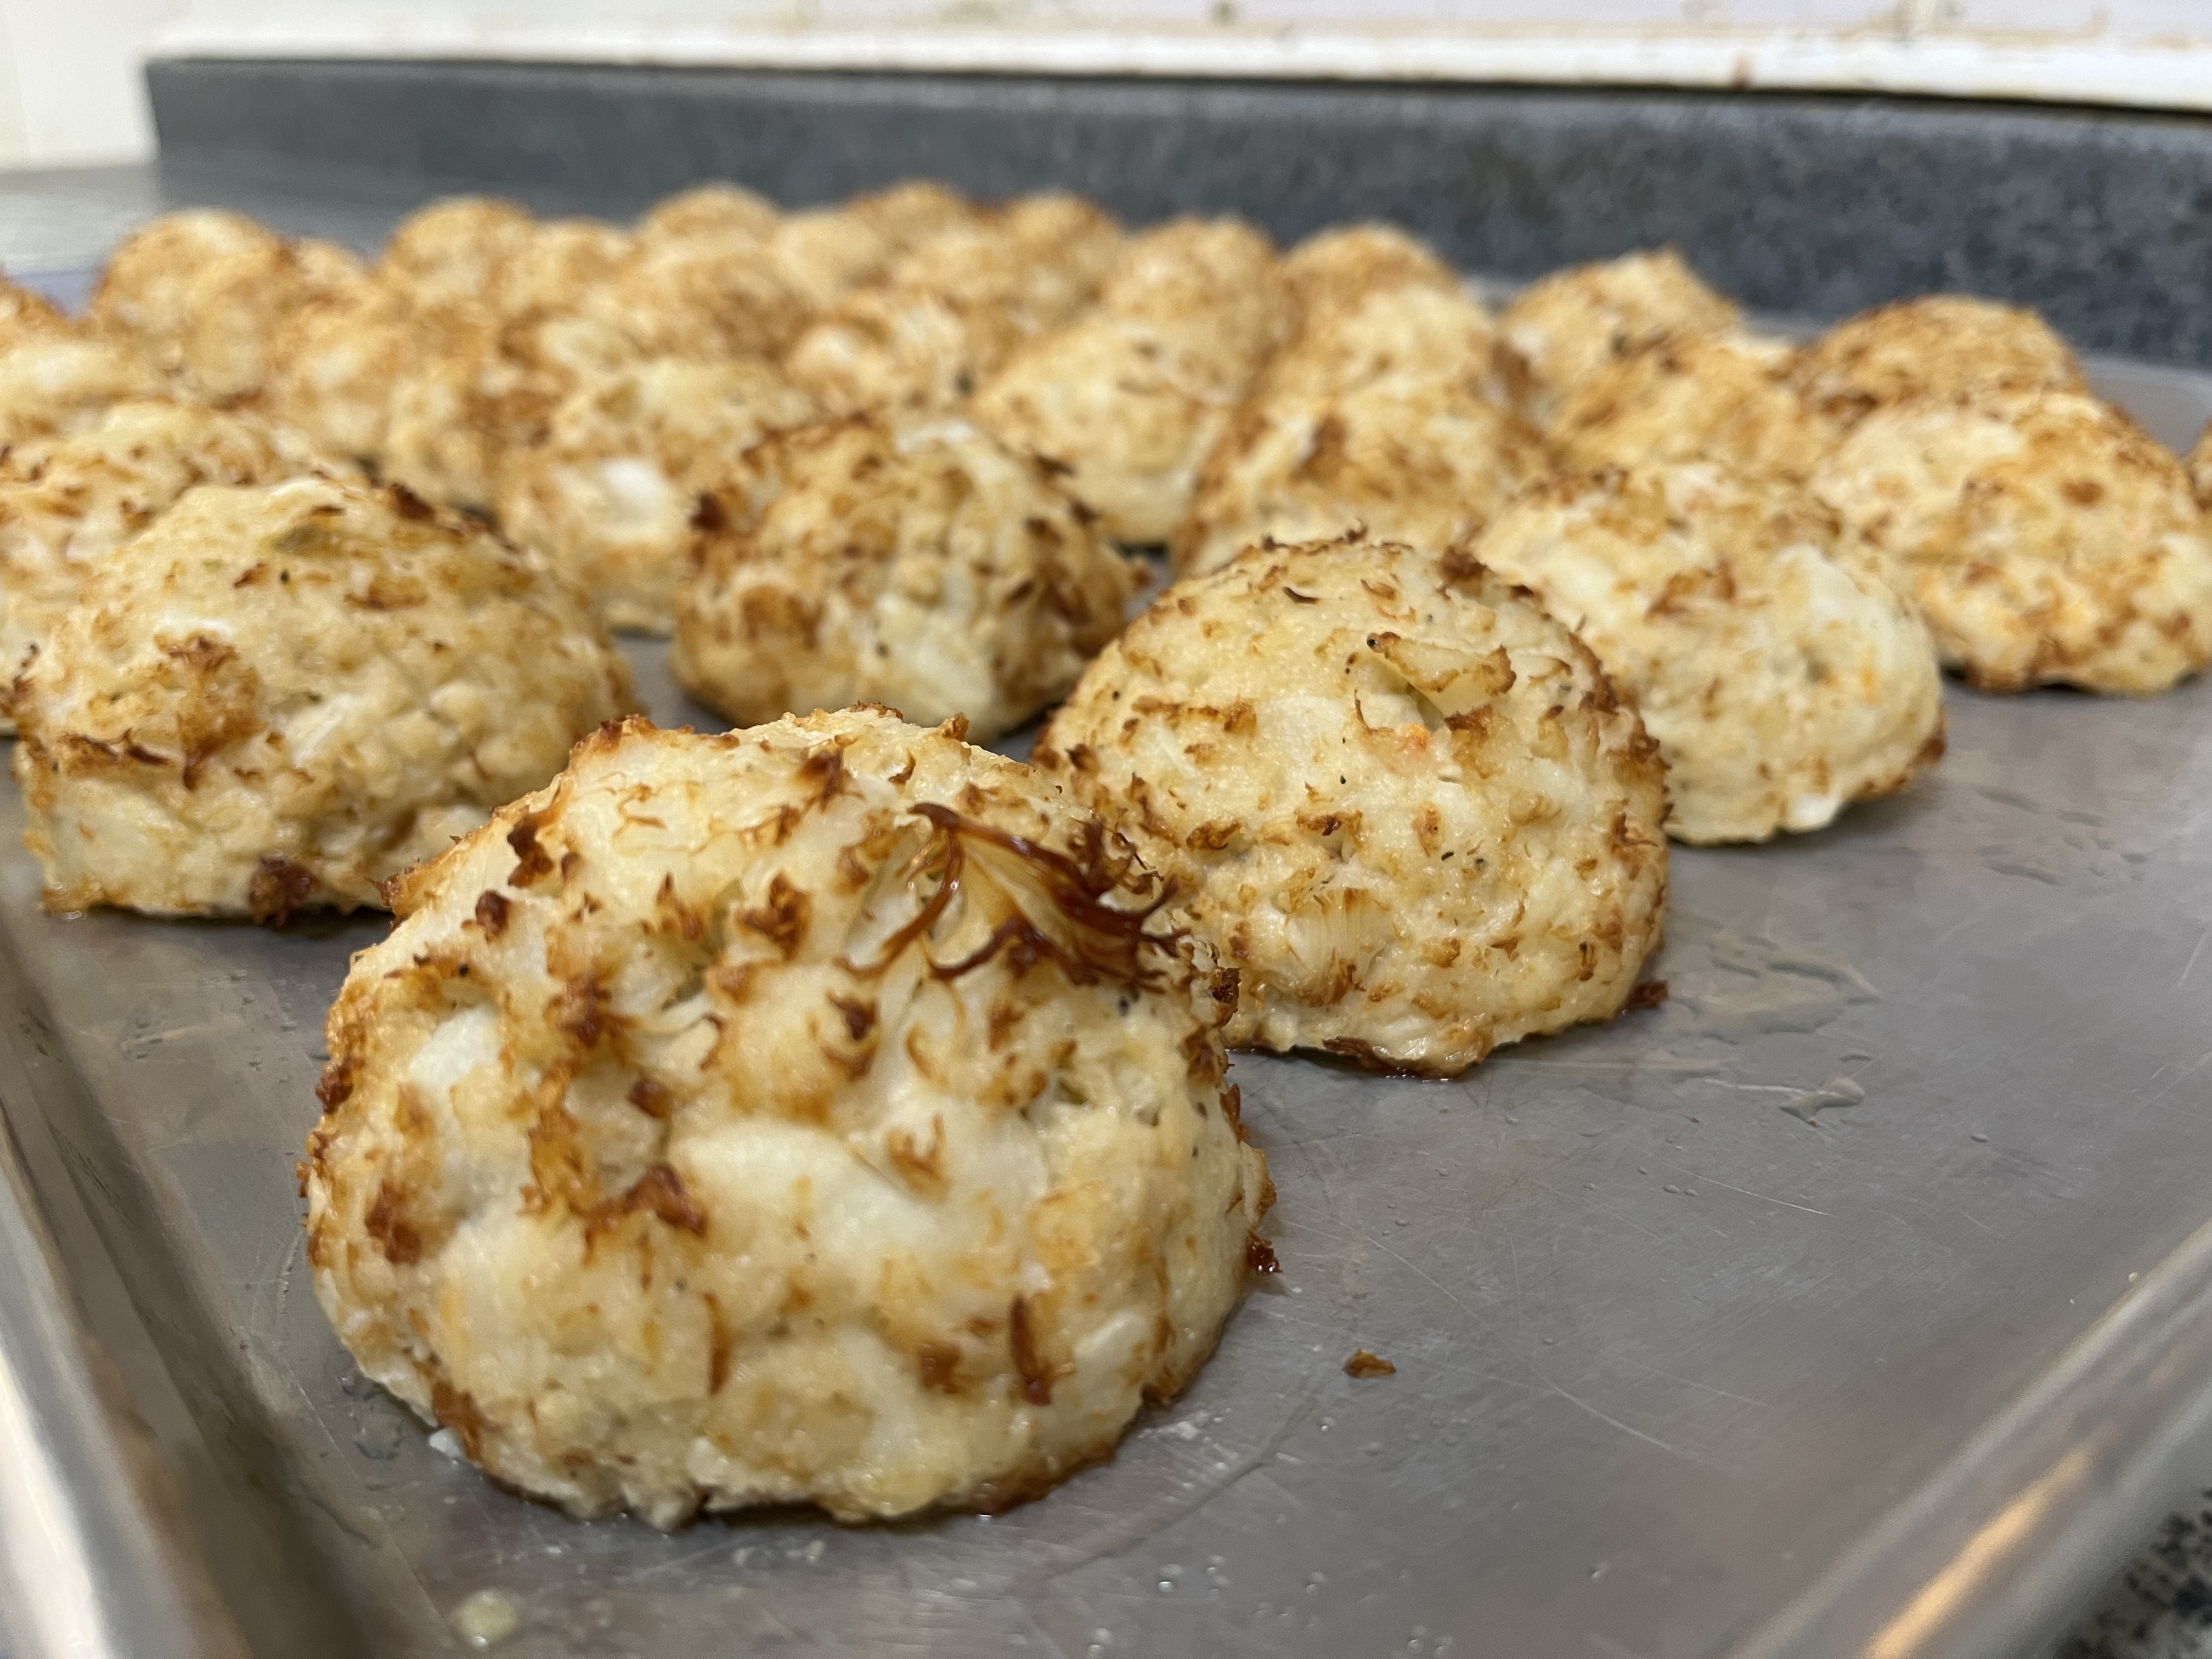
(1850, 1302)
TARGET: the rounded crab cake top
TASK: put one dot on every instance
(1218, 278)
(1686, 397)
(1424, 463)
(610, 494)
(816, 1113)
(333, 363)
(66, 504)
(1410, 335)
(1780, 675)
(201, 292)
(720, 295)
(558, 265)
(1398, 798)
(951, 309)
(710, 210)
(1572, 323)
(2200, 467)
(1335, 270)
(474, 388)
(285, 694)
(1126, 401)
(1940, 345)
(2048, 539)
(921, 565)
(25, 314)
(52, 384)
(454, 250)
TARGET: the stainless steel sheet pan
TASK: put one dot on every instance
(1847, 1302)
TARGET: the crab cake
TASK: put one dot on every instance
(1780, 675)
(454, 250)
(916, 564)
(1401, 801)
(559, 265)
(1428, 465)
(332, 365)
(27, 314)
(2048, 541)
(913, 210)
(1943, 345)
(201, 292)
(67, 504)
(2200, 468)
(1685, 396)
(610, 495)
(816, 1113)
(1407, 336)
(52, 384)
(828, 254)
(1336, 269)
(288, 693)
(1215, 277)
(711, 211)
(478, 389)
(951, 310)
(718, 295)
(1566, 327)
(1126, 402)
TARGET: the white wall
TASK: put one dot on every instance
(69, 78)
(69, 88)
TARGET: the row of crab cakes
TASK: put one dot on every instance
(2046, 539)
(842, 1015)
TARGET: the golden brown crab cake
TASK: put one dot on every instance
(917, 564)
(1217, 279)
(477, 390)
(453, 252)
(1408, 335)
(1398, 798)
(1127, 401)
(829, 253)
(952, 308)
(144, 290)
(52, 384)
(711, 212)
(27, 314)
(1124, 410)
(2048, 539)
(2200, 468)
(1725, 398)
(837, 1014)
(558, 265)
(333, 363)
(1336, 269)
(1781, 675)
(1571, 324)
(202, 292)
(610, 495)
(288, 693)
(1426, 464)
(913, 209)
(1941, 345)
(66, 504)
(722, 295)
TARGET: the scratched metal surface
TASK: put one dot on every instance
(1679, 1306)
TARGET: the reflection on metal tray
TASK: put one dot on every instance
(1773, 1320)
